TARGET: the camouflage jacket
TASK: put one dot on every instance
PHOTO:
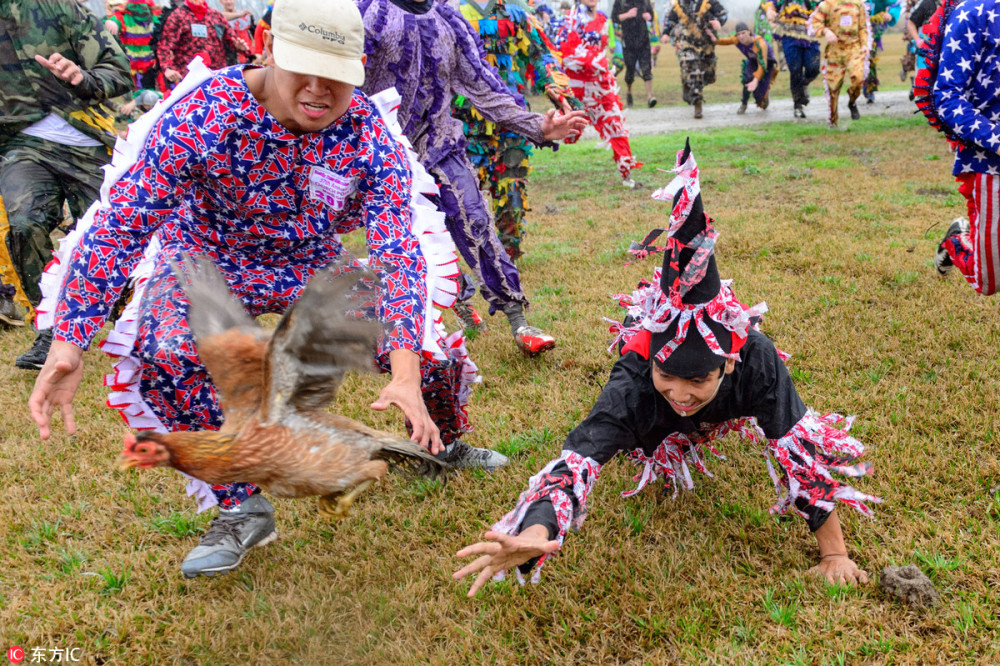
(687, 23)
(29, 91)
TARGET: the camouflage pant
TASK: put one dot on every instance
(36, 176)
(697, 71)
(842, 62)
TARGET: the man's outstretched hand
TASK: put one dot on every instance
(55, 386)
(557, 125)
(64, 68)
(501, 552)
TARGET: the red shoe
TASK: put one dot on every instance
(468, 316)
(533, 341)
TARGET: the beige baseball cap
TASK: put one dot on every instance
(324, 38)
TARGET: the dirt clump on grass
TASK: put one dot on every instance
(909, 584)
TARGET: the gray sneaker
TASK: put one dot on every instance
(461, 455)
(9, 315)
(230, 536)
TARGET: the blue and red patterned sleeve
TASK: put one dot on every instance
(394, 251)
(141, 200)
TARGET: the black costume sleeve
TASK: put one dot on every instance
(922, 13)
(718, 12)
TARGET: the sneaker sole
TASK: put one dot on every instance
(548, 346)
(208, 573)
(28, 365)
(11, 322)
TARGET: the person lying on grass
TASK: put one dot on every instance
(693, 367)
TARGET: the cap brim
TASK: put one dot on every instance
(294, 58)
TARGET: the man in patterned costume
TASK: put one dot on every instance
(966, 98)
(58, 66)
(516, 47)
(789, 21)
(690, 25)
(582, 38)
(760, 67)
(692, 368)
(427, 51)
(843, 24)
(883, 15)
(261, 170)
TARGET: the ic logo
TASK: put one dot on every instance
(15, 655)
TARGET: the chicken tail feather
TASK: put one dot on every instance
(405, 457)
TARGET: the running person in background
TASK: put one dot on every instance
(844, 26)
(583, 38)
(760, 67)
(690, 26)
(883, 14)
(634, 16)
(789, 23)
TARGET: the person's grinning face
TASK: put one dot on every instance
(688, 396)
(229, 5)
(744, 37)
(590, 4)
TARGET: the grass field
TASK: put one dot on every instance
(833, 229)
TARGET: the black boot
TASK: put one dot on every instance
(34, 358)
(9, 315)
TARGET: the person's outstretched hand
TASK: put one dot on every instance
(64, 68)
(403, 391)
(557, 125)
(55, 386)
(501, 552)
(840, 570)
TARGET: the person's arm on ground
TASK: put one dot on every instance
(556, 498)
(835, 564)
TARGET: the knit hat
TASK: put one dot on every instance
(688, 318)
(741, 26)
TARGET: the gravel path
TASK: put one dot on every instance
(660, 120)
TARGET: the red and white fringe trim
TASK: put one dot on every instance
(541, 485)
(834, 445)
(428, 225)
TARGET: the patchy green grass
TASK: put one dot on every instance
(835, 232)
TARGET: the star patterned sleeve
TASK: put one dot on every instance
(139, 202)
(958, 70)
(394, 251)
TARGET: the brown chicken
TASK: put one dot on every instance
(274, 392)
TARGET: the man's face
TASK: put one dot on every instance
(589, 4)
(744, 37)
(309, 103)
(688, 396)
(229, 5)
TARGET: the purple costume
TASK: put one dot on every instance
(429, 58)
